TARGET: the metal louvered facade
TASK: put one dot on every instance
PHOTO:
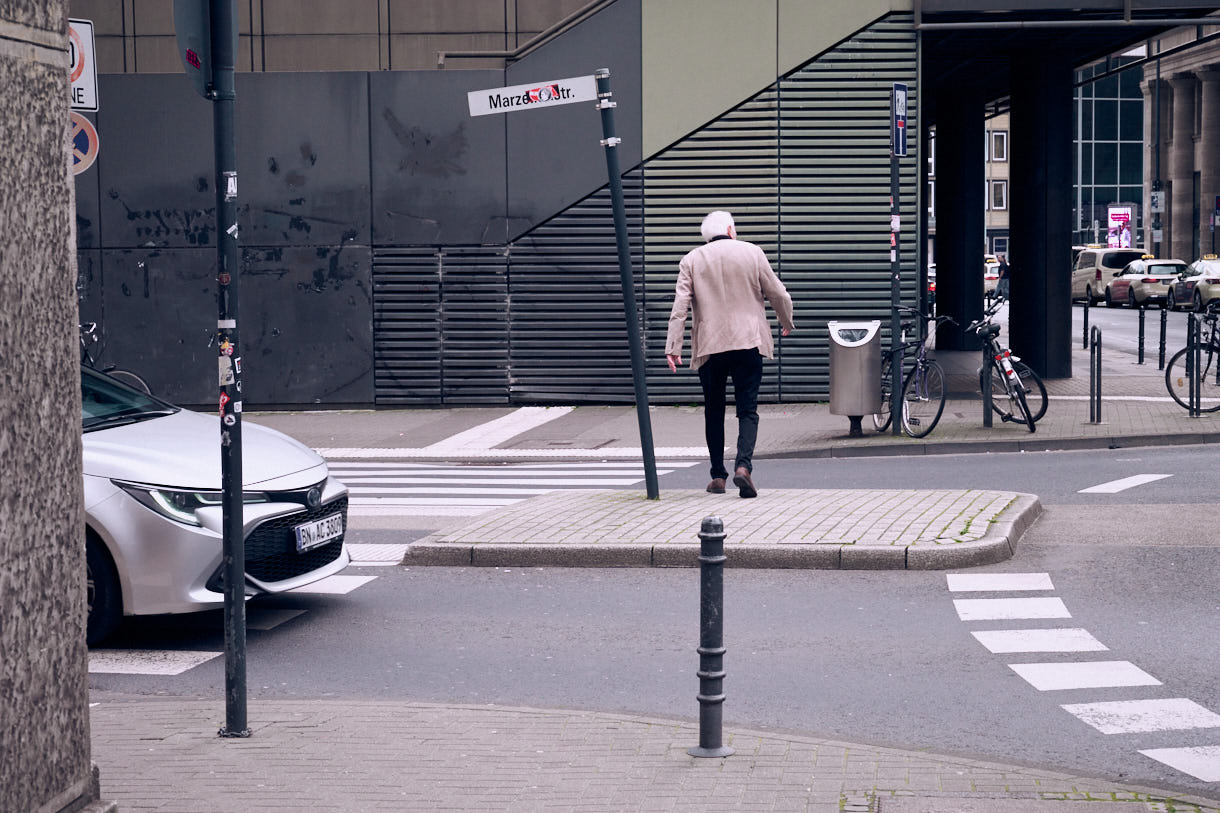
(803, 166)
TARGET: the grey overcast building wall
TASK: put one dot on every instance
(44, 724)
(397, 250)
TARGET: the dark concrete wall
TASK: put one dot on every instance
(44, 725)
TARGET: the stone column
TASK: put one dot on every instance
(1182, 169)
(1209, 151)
(1156, 158)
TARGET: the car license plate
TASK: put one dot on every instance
(312, 534)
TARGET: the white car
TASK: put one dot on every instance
(153, 514)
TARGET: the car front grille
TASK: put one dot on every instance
(271, 548)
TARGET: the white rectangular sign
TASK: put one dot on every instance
(532, 96)
(82, 65)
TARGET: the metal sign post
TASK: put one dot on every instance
(582, 89)
(207, 43)
(898, 148)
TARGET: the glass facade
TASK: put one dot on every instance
(1108, 151)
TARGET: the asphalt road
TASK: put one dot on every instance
(880, 657)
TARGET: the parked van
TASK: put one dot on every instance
(1096, 266)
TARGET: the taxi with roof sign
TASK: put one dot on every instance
(1198, 285)
(1143, 282)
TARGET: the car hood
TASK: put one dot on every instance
(183, 450)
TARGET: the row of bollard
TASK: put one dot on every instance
(1085, 333)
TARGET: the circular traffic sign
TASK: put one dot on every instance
(76, 55)
(85, 144)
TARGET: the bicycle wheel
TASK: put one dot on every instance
(1178, 384)
(881, 420)
(1022, 407)
(923, 399)
(1031, 383)
(130, 379)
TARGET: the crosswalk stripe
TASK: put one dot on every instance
(1115, 486)
(1048, 677)
(489, 502)
(264, 619)
(991, 609)
(1139, 716)
(979, 582)
(1202, 761)
(497, 431)
(385, 489)
(146, 661)
(557, 482)
(334, 585)
(1039, 640)
(365, 554)
(377, 475)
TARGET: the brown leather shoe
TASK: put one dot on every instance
(716, 486)
(741, 479)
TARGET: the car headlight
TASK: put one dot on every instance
(181, 505)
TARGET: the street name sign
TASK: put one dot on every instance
(82, 68)
(532, 96)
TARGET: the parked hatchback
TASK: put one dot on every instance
(1198, 285)
(153, 514)
(1143, 282)
(1095, 267)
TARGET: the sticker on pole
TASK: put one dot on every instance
(85, 145)
(82, 67)
(532, 96)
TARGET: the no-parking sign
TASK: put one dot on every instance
(85, 145)
(82, 65)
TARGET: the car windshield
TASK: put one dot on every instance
(106, 402)
(1117, 259)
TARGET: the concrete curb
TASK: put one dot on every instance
(1032, 443)
(997, 545)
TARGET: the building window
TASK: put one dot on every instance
(932, 199)
(999, 245)
(931, 157)
(999, 145)
(998, 200)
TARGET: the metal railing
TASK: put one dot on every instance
(514, 54)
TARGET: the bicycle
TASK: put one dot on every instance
(923, 389)
(1177, 371)
(1010, 377)
(88, 342)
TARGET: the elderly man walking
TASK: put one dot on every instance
(723, 283)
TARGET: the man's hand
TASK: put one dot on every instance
(674, 363)
(783, 331)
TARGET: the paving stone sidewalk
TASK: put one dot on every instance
(803, 528)
(337, 755)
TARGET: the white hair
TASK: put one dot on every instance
(715, 224)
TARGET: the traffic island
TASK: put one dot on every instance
(847, 529)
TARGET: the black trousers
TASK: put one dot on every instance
(745, 368)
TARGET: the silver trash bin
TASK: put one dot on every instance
(855, 370)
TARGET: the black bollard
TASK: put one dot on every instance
(711, 640)
(1193, 360)
(1141, 339)
(1084, 334)
(985, 381)
(1095, 377)
(1164, 321)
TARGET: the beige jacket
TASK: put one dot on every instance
(724, 283)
